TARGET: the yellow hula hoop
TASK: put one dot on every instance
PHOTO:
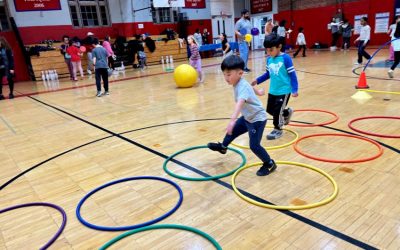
(273, 147)
(380, 91)
(316, 204)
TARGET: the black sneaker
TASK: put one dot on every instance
(247, 70)
(11, 96)
(1, 97)
(267, 168)
(217, 147)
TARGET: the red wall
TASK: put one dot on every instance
(315, 21)
(21, 71)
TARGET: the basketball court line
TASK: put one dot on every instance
(303, 219)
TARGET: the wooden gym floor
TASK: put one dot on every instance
(75, 142)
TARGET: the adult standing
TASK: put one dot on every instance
(268, 27)
(363, 40)
(6, 67)
(242, 28)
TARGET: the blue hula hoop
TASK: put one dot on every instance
(124, 228)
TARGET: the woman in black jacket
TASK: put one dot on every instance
(6, 67)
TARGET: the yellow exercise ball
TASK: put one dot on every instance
(185, 76)
(248, 38)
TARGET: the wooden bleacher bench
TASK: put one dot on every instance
(53, 59)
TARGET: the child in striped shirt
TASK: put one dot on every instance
(283, 77)
(195, 59)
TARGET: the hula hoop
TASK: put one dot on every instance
(380, 91)
(335, 118)
(43, 204)
(273, 147)
(162, 226)
(279, 207)
(373, 134)
(339, 161)
(123, 228)
(201, 178)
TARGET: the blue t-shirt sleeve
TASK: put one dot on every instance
(292, 73)
(264, 76)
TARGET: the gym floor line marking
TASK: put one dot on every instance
(310, 222)
(167, 124)
(8, 125)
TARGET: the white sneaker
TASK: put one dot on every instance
(357, 64)
(287, 118)
(89, 71)
(390, 73)
(106, 93)
(98, 94)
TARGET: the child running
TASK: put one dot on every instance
(253, 119)
(396, 49)
(195, 59)
(283, 83)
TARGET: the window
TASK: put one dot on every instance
(4, 22)
(164, 15)
(89, 13)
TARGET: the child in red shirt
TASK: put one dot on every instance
(75, 54)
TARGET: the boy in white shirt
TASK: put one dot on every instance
(301, 41)
(362, 40)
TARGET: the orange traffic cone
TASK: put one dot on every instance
(362, 81)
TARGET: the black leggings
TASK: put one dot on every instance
(10, 79)
(396, 60)
(276, 107)
(111, 62)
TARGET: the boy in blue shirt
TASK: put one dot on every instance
(283, 77)
(253, 119)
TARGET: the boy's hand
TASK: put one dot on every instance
(254, 82)
(295, 94)
(259, 92)
(229, 129)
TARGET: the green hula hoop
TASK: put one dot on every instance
(162, 226)
(202, 178)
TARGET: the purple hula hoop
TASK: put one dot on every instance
(43, 204)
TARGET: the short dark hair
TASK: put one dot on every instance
(65, 36)
(301, 29)
(95, 41)
(272, 40)
(232, 62)
(244, 11)
(364, 18)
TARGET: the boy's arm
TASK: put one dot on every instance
(292, 74)
(259, 92)
(236, 112)
(261, 78)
